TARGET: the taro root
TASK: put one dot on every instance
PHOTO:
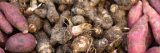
(52, 14)
(100, 44)
(97, 31)
(35, 23)
(64, 1)
(59, 33)
(63, 49)
(78, 19)
(81, 43)
(41, 12)
(47, 27)
(43, 44)
(76, 30)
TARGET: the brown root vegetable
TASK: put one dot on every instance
(59, 33)
(64, 1)
(41, 12)
(43, 44)
(47, 27)
(134, 14)
(64, 49)
(155, 4)
(5, 25)
(35, 23)
(137, 36)
(81, 44)
(62, 7)
(21, 43)
(154, 20)
(97, 31)
(14, 16)
(76, 30)
(52, 14)
(100, 44)
(1, 50)
(118, 16)
(153, 50)
(78, 19)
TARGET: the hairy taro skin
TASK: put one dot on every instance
(14, 16)
(21, 43)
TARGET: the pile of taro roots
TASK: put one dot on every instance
(64, 26)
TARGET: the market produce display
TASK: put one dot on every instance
(79, 26)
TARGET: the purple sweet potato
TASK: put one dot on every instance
(21, 43)
(14, 16)
(154, 20)
(134, 14)
(155, 4)
(1, 50)
(4, 24)
(153, 50)
(137, 36)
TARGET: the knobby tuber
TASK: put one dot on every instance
(134, 14)
(52, 14)
(59, 33)
(47, 27)
(14, 16)
(41, 12)
(98, 31)
(43, 44)
(100, 44)
(20, 42)
(136, 39)
(78, 19)
(35, 23)
(4, 24)
(76, 30)
(154, 20)
(81, 43)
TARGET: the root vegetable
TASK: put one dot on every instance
(153, 50)
(81, 44)
(21, 43)
(43, 44)
(101, 44)
(134, 14)
(154, 20)
(47, 27)
(5, 25)
(14, 16)
(35, 23)
(136, 39)
(1, 50)
(41, 12)
(155, 4)
(78, 19)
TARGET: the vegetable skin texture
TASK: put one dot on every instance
(155, 4)
(5, 25)
(154, 20)
(153, 50)
(21, 43)
(134, 14)
(1, 50)
(14, 16)
(43, 44)
(137, 36)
